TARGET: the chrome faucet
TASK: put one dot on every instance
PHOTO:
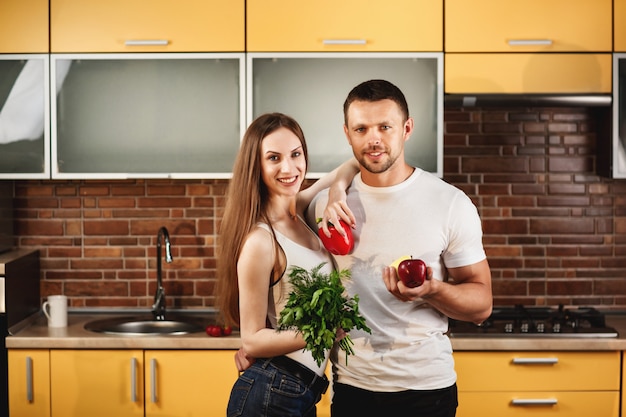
(158, 308)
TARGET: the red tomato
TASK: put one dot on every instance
(336, 244)
(213, 330)
(227, 330)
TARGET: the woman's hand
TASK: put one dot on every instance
(337, 209)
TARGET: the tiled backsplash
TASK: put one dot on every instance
(555, 231)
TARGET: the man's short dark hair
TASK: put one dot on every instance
(376, 90)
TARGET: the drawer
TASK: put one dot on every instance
(530, 25)
(538, 404)
(24, 26)
(619, 25)
(528, 73)
(139, 26)
(537, 371)
(347, 25)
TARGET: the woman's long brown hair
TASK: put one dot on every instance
(246, 205)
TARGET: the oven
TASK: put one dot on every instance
(19, 300)
(536, 321)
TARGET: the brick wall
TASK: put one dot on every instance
(555, 232)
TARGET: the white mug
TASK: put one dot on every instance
(55, 309)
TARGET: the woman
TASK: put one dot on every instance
(262, 235)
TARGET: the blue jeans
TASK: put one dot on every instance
(263, 390)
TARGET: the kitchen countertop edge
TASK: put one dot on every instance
(37, 335)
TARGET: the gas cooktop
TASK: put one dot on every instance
(531, 321)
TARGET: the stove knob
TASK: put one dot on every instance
(524, 328)
(540, 327)
(508, 328)
(556, 328)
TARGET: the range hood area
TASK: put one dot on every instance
(534, 100)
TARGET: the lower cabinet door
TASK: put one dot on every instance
(96, 383)
(29, 383)
(190, 383)
(539, 404)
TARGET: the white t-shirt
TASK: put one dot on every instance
(306, 258)
(423, 217)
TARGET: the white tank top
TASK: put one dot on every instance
(303, 257)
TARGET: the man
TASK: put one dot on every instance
(405, 366)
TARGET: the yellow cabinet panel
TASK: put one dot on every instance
(491, 25)
(323, 407)
(29, 383)
(185, 25)
(97, 383)
(527, 73)
(538, 371)
(619, 28)
(189, 383)
(23, 26)
(347, 25)
(538, 404)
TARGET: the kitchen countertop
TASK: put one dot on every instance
(35, 334)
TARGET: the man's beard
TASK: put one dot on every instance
(378, 167)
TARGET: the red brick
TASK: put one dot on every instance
(561, 226)
(109, 227)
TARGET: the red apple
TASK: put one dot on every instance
(412, 272)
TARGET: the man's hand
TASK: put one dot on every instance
(402, 292)
(242, 360)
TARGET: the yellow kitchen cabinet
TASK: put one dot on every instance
(24, 26)
(29, 383)
(538, 383)
(623, 413)
(188, 383)
(349, 25)
(528, 26)
(619, 25)
(538, 404)
(323, 407)
(139, 26)
(107, 383)
(529, 73)
(97, 383)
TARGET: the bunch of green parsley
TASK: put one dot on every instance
(317, 307)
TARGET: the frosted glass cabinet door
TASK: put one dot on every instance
(311, 87)
(24, 116)
(146, 115)
(619, 116)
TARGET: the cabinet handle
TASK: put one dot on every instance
(534, 401)
(133, 380)
(535, 361)
(146, 42)
(153, 380)
(529, 42)
(344, 41)
(29, 379)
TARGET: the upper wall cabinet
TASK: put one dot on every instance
(528, 26)
(24, 26)
(531, 73)
(348, 25)
(145, 115)
(140, 26)
(529, 47)
(24, 116)
(619, 25)
(280, 81)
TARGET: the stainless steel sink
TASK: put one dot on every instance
(147, 325)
